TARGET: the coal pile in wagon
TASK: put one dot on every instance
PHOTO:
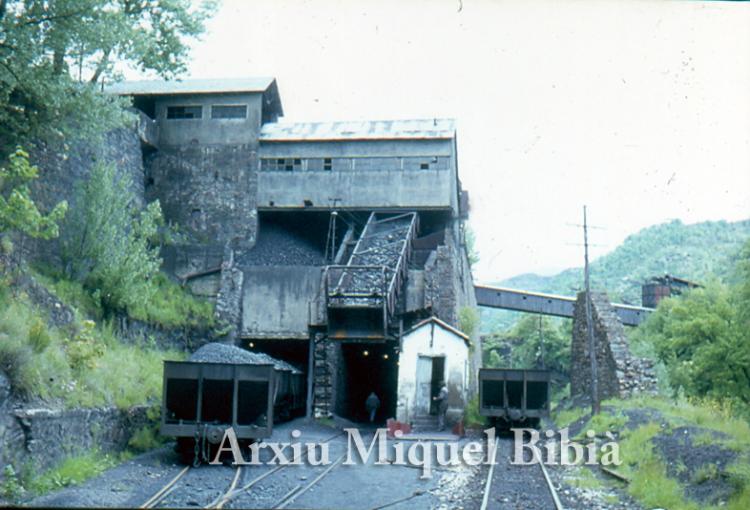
(222, 353)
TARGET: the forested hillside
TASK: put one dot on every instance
(694, 252)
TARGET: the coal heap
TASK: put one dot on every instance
(280, 246)
(222, 353)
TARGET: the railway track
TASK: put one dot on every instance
(520, 490)
(233, 492)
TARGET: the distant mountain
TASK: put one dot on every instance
(694, 252)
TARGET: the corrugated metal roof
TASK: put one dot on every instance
(163, 87)
(359, 130)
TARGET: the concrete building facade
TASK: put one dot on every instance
(319, 242)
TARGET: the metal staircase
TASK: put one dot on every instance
(361, 296)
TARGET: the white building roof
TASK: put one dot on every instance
(359, 130)
(441, 324)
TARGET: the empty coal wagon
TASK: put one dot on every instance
(514, 396)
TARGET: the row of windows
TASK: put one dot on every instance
(218, 111)
(360, 163)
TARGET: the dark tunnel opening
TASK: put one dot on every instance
(366, 368)
(292, 351)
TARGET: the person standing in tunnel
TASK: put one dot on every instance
(372, 404)
(442, 401)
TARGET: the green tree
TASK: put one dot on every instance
(109, 246)
(534, 342)
(18, 212)
(54, 54)
(544, 345)
(703, 341)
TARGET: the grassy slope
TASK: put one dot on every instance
(642, 463)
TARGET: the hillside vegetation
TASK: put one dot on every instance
(696, 252)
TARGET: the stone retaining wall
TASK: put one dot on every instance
(620, 373)
(45, 437)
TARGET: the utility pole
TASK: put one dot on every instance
(589, 325)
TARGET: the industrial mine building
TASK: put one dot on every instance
(322, 243)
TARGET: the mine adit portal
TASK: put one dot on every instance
(322, 243)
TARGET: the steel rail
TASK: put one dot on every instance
(219, 501)
(488, 483)
(552, 491)
(297, 493)
(230, 495)
(165, 490)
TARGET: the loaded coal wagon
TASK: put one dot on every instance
(514, 396)
(222, 386)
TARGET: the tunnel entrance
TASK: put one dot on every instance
(366, 368)
(292, 351)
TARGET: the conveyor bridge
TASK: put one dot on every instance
(548, 304)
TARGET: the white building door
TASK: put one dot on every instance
(424, 386)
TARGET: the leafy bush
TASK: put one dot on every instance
(144, 439)
(18, 212)
(10, 487)
(84, 349)
(109, 248)
(468, 320)
(39, 337)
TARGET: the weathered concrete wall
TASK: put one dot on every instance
(360, 189)
(620, 374)
(431, 340)
(276, 300)
(208, 131)
(208, 191)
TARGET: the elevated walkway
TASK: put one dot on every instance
(361, 296)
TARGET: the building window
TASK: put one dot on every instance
(424, 166)
(184, 112)
(327, 164)
(229, 111)
(282, 164)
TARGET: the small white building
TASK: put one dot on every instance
(432, 352)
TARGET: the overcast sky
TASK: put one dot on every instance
(639, 109)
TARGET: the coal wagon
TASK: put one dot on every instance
(511, 397)
(224, 386)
